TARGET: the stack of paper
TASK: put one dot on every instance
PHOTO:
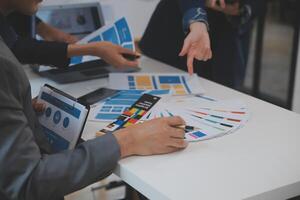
(205, 117)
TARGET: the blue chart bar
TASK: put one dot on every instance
(96, 39)
(120, 102)
(111, 36)
(185, 85)
(57, 142)
(169, 80)
(199, 134)
(107, 116)
(123, 31)
(62, 105)
(76, 60)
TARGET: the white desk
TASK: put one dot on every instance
(260, 161)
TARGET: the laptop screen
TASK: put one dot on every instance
(79, 20)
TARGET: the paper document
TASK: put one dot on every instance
(118, 33)
(178, 84)
(111, 108)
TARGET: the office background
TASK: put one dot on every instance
(273, 71)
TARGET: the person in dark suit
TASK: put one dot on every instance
(59, 47)
(29, 170)
(231, 28)
(28, 26)
(229, 32)
(178, 33)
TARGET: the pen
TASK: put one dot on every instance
(188, 128)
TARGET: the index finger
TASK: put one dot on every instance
(190, 62)
(175, 121)
(213, 3)
(222, 4)
(128, 63)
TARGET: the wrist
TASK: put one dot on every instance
(81, 50)
(126, 142)
(198, 26)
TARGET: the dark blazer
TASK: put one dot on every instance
(26, 172)
(28, 50)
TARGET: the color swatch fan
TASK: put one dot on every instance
(205, 116)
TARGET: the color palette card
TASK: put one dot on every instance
(210, 117)
(205, 117)
(118, 33)
(132, 115)
(114, 106)
(178, 84)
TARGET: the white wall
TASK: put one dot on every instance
(296, 100)
(137, 12)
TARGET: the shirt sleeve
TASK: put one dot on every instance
(193, 11)
(31, 51)
(27, 174)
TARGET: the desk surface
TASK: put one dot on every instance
(259, 161)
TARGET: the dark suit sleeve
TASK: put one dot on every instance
(27, 174)
(31, 51)
(192, 11)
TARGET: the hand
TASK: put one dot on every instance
(158, 136)
(112, 54)
(38, 107)
(213, 3)
(228, 9)
(196, 45)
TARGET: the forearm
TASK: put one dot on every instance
(50, 176)
(80, 49)
(60, 174)
(193, 11)
(30, 51)
(45, 31)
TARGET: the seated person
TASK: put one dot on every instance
(23, 26)
(168, 40)
(28, 169)
(229, 31)
(55, 53)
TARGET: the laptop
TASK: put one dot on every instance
(78, 19)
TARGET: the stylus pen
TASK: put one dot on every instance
(188, 128)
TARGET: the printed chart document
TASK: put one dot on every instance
(111, 108)
(118, 33)
(178, 84)
(63, 119)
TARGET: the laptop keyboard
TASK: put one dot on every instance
(95, 72)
